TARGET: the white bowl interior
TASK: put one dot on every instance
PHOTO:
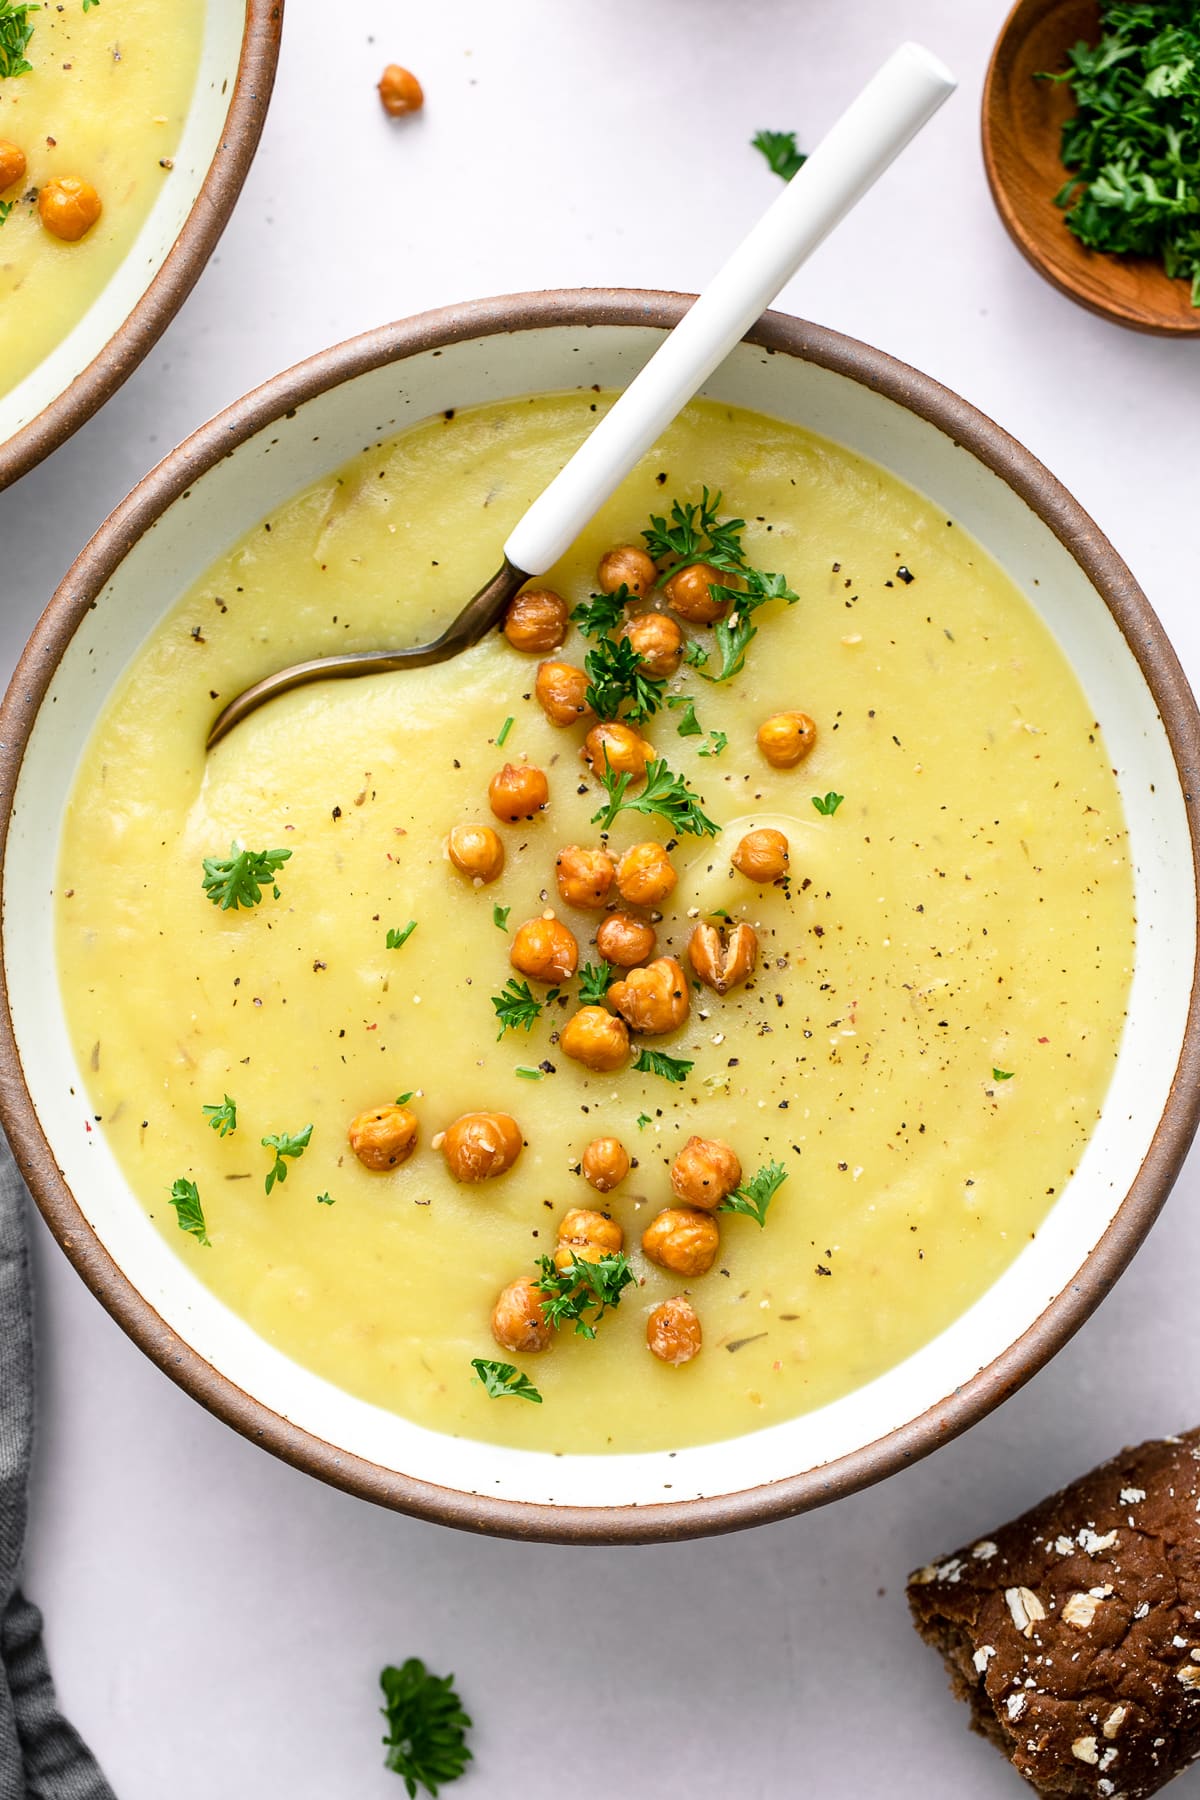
(224, 26)
(220, 506)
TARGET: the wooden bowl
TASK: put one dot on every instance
(1022, 121)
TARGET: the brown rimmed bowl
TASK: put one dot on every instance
(309, 421)
(225, 119)
(1022, 127)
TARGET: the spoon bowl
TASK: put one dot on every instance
(1022, 123)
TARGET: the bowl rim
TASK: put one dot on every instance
(776, 333)
(183, 264)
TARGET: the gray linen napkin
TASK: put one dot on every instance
(42, 1757)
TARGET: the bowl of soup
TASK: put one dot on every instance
(680, 1060)
(126, 131)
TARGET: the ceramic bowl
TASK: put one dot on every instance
(220, 135)
(309, 421)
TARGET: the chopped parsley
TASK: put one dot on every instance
(516, 1007)
(1003, 1074)
(6, 207)
(504, 730)
(426, 1735)
(716, 743)
(284, 1144)
(779, 148)
(666, 794)
(584, 1287)
(528, 1074)
(657, 1062)
(1132, 143)
(643, 1119)
(829, 805)
(753, 1197)
(403, 1099)
(239, 878)
(500, 917)
(695, 654)
(189, 1214)
(735, 632)
(694, 534)
(324, 1199)
(617, 680)
(15, 33)
(501, 1379)
(689, 725)
(397, 937)
(602, 613)
(222, 1117)
(593, 983)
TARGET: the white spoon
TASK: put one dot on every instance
(898, 100)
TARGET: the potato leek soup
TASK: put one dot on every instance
(653, 1023)
(92, 104)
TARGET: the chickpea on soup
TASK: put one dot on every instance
(654, 1023)
(92, 104)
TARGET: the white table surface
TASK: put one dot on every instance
(216, 1620)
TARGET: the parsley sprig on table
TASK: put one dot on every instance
(239, 878)
(15, 33)
(500, 1379)
(779, 148)
(583, 1288)
(1133, 143)
(753, 1197)
(664, 793)
(284, 1144)
(426, 1735)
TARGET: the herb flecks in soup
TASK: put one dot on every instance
(811, 1082)
(92, 103)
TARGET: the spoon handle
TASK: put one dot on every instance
(897, 101)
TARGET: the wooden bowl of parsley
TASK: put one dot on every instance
(1091, 140)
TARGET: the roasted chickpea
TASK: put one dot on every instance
(383, 1137)
(657, 640)
(605, 1164)
(721, 961)
(518, 791)
(518, 1322)
(476, 850)
(561, 691)
(645, 875)
(596, 1039)
(545, 949)
(689, 592)
(625, 941)
(654, 999)
(786, 738)
(626, 566)
(481, 1144)
(400, 91)
(682, 1240)
(584, 877)
(617, 747)
(762, 856)
(12, 164)
(586, 1236)
(704, 1173)
(536, 621)
(68, 207)
(673, 1331)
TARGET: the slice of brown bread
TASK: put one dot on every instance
(1074, 1633)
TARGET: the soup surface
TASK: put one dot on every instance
(104, 102)
(924, 1045)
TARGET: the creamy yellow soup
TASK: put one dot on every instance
(925, 1044)
(104, 102)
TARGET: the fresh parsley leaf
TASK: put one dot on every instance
(602, 613)
(593, 983)
(403, 1099)
(694, 534)
(284, 1144)
(504, 730)
(657, 1062)
(426, 1735)
(643, 1119)
(500, 917)
(829, 805)
(753, 1197)
(239, 879)
(6, 207)
(528, 1074)
(617, 679)
(501, 1379)
(15, 33)
(516, 1007)
(397, 938)
(736, 632)
(584, 1287)
(689, 725)
(666, 794)
(223, 1117)
(779, 148)
(695, 654)
(1003, 1074)
(88, 4)
(189, 1214)
(324, 1199)
(716, 743)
